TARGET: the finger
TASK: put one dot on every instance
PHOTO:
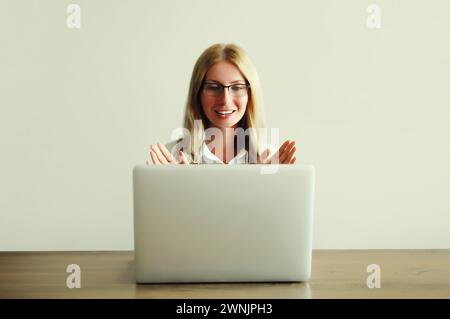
(290, 155)
(169, 157)
(154, 158)
(286, 151)
(158, 153)
(264, 155)
(183, 158)
(283, 146)
(293, 160)
(275, 159)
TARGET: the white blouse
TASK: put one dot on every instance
(209, 158)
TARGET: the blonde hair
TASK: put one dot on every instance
(254, 114)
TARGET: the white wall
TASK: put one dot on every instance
(368, 108)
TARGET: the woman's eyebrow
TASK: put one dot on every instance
(210, 80)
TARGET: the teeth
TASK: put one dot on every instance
(224, 113)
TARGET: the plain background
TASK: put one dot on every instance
(369, 108)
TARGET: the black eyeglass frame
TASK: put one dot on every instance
(247, 85)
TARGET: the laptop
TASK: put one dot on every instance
(222, 223)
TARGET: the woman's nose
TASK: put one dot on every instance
(226, 96)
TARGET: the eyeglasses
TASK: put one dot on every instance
(217, 89)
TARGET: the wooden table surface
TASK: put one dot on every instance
(335, 274)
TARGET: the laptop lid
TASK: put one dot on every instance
(222, 223)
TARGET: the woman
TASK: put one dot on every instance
(224, 118)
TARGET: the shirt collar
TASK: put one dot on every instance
(210, 158)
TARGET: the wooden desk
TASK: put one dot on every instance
(336, 274)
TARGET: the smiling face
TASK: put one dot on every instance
(224, 110)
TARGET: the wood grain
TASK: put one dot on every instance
(336, 274)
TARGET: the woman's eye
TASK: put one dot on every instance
(237, 88)
(213, 87)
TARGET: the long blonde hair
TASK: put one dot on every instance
(254, 114)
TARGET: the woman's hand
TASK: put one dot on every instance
(160, 155)
(284, 155)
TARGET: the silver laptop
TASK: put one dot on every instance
(222, 223)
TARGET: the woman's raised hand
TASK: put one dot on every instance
(160, 155)
(284, 155)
